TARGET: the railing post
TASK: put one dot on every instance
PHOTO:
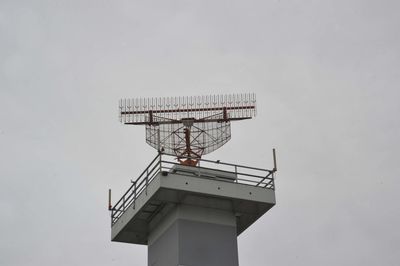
(110, 208)
(112, 217)
(236, 175)
(109, 200)
(273, 182)
(274, 157)
(160, 162)
(123, 203)
(147, 178)
(134, 195)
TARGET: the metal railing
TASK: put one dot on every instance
(166, 163)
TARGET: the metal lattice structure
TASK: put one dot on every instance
(188, 127)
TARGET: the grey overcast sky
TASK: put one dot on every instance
(326, 74)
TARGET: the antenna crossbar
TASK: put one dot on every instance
(251, 107)
(179, 121)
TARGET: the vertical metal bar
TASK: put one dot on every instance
(134, 195)
(143, 109)
(120, 110)
(132, 107)
(235, 96)
(198, 174)
(112, 218)
(151, 102)
(187, 106)
(206, 105)
(247, 104)
(129, 110)
(229, 97)
(125, 110)
(195, 106)
(191, 106)
(201, 106)
(144, 100)
(123, 203)
(109, 200)
(198, 102)
(236, 175)
(274, 156)
(110, 207)
(136, 108)
(273, 182)
(147, 178)
(160, 161)
(255, 106)
(243, 104)
(158, 140)
(239, 104)
(140, 109)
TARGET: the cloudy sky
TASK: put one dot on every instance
(326, 74)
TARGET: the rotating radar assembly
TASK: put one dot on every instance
(188, 127)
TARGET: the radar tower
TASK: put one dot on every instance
(186, 209)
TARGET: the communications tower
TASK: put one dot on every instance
(186, 209)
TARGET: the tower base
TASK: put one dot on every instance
(194, 236)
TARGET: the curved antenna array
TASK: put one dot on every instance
(188, 127)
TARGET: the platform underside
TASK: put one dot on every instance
(169, 190)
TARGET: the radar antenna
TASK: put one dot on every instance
(188, 127)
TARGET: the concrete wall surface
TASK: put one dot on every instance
(192, 241)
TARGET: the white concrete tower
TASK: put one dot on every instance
(188, 210)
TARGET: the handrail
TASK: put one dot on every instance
(238, 165)
(137, 179)
(134, 190)
(161, 163)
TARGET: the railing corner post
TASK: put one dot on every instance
(274, 157)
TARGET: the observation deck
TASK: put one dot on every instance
(247, 192)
